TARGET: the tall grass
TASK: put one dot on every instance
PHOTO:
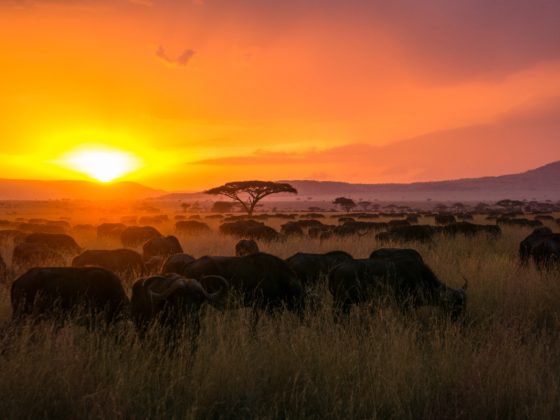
(502, 361)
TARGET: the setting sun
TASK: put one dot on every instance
(102, 165)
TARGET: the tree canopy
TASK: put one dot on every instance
(344, 202)
(249, 193)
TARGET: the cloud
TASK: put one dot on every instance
(180, 61)
(515, 141)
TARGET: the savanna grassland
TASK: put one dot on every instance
(501, 361)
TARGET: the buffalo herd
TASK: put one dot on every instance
(171, 286)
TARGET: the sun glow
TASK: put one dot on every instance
(102, 165)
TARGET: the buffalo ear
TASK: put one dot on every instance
(466, 283)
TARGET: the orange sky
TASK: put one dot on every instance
(205, 92)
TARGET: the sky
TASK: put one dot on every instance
(202, 92)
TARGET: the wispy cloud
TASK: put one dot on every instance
(180, 61)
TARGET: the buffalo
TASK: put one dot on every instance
(263, 281)
(311, 267)
(417, 233)
(3, 271)
(110, 230)
(400, 275)
(177, 263)
(163, 246)
(445, 219)
(471, 229)
(134, 236)
(541, 245)
(246, 247)
(56, 293)
(61, 243)
(28, 255)
(249, 229)
(123, 261)
(191, 227)
(172, 302)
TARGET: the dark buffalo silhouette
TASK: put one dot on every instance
(471, 229)
(249, 229)
(110, 230)
(358, 228)
(399, 275)
(163, 246)
(519, 222)
(85, 229)
(263, 281)
(28, 255)
(547, 217)
(172, 302)
(445, 219)
(135, 236)
(3, 271)
(395, 253)
(415, 233)
(291, 229)
(539, 245)
(246, 247)
(40, 228)
(191, 227)
(57, 293)
(546, 254)
(153, 220)
(310, 268)
(176, 263)
(412, 218)
(122, 261)
(61, 243)
(317, 231)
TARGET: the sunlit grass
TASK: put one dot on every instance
(503, 361)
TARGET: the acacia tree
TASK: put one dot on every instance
(344, 202)
(249, 193)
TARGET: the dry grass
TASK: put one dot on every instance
(502, 362)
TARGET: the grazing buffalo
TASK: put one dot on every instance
(110, 230)
(56, 293)
(263, 280)
(153, 220)
(161, 247)
(445, 219)
(123, 261)
(61, 243)
(546, 254)
(519, 222)
(291, 229)
(173, 302)
(541, 245)
(396, 253)
(29, 255)
(135, 236)
(415, 233)
(3, 271)
(310, 268)
(191, 227)
(471, 229)
(249, 229)
(246, 247)
(358, 228)
(400, 275)
(176, 263)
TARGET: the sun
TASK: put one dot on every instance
(102, 165)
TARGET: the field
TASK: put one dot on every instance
(502, 361)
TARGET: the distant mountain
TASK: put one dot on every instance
(11, 189)
(542, 183)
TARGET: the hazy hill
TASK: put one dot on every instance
(51, 190)
(541, 183)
